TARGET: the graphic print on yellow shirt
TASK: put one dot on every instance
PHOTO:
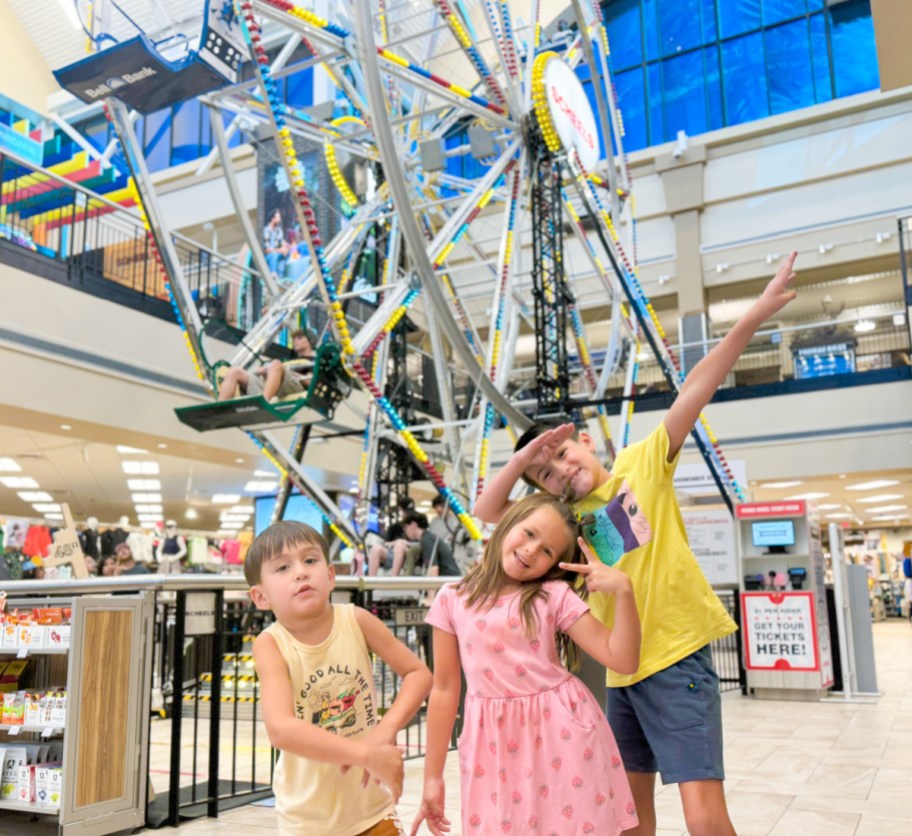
(616, 528)
(328, 700)
(679, 610)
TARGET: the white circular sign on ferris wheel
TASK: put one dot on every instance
(571, 112)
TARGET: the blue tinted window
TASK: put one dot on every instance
(775, 11)
(708, 20)
(820, 59)
(625, 34)
(654, 98)
(715, 112)
(738, 16)
(744, 79)
(631, 95)
(651, 29)
(156, 139)
(299, 88)
(854, 53)
(684, 94)
(788, 66)
(186, 137)
(676, 25)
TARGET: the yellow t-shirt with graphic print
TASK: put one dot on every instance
(679, 611)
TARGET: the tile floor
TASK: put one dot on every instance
(832, 768)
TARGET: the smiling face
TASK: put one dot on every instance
(572, 472)
(535, 545)
(295, 584)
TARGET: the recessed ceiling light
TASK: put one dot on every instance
(149, 518)
(9, 466)
(871, 486)
(269, 474)
(241, 509)
(829, 506)
(162, 446)
(191, 514)
(779, 484)
(146, 497)
(881, 497)
(124, 449)
(239, 461)
(863, 326)
(889, 518)
(149, 509)
(35, 496)
(883, 509)
(232, 518)
(810, 495)
(18, 481)
(144, 484)
(46, 507)
(225, 498)
(260, 487)
(133, 468)
(842, 475)
(65, 427)
(232, 526)
(353, 490)
(53, 516)
(839, 516)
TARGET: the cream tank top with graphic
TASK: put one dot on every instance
(333, 687)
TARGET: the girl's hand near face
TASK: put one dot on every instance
(599, 577)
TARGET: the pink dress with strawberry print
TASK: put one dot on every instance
(536, 755)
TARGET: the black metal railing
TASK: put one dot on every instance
(103, 248)
(205, 687)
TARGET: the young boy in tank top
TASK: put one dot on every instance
(340, 772)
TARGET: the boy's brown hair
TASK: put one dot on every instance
(274, 540)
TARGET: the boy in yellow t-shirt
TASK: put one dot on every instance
(666, 717)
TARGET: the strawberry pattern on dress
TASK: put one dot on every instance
(536, 754)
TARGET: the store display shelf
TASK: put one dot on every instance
(29, 808)
(47, 731)
(23, 652)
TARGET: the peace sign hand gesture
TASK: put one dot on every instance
(599, 577)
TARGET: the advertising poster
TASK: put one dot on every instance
(711, 535)
(780, 631)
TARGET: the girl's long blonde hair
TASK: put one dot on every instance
(486, 579)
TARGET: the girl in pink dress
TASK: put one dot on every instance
(536, 754)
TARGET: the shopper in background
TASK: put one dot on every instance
(276, 379)
(436, 556)
(126, 564)
(275, 247)
(107, 568)
(668, 715)
(339, 770)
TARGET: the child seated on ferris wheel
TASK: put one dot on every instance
(276, 379)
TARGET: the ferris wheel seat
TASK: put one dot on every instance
(329, 386)
(134, 72)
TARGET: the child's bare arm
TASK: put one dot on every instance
(618, 649)
(416, 678)
(442, 708)
(494, 501)
(288, 733)
(710, 372)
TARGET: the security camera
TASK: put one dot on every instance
(680, 145)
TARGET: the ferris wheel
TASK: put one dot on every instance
(494, 197)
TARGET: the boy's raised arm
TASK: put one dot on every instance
(703, 380)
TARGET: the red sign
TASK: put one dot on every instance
(749, 510)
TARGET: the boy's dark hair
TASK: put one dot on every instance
(438, 501)
(416, 517)
(274, 540)
(406, 503)
(537, 429)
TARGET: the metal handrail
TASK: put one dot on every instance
(122, 211)
(174, 583)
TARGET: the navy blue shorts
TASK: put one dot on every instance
(671, 722)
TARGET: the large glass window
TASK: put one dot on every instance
(697, 65)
